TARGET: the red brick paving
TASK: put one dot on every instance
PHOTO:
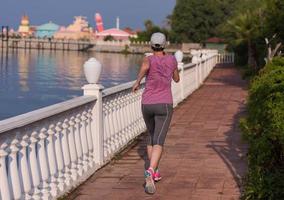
(204, 157)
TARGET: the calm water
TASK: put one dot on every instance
(33, 79)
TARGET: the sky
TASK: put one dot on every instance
(132, 13)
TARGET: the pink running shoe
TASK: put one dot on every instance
(157, 175)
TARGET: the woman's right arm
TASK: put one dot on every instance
(142, 72)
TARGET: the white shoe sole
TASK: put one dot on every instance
(150, 185)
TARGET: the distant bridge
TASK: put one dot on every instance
(87, 45)
(45, 44)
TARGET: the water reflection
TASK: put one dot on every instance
(23, 63)
(30, 79)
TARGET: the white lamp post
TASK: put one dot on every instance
(92, 69)
(179, 56)
(195, 56)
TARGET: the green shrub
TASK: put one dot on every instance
(264, 130)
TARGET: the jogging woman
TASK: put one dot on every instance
(157, 103)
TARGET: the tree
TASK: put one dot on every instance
(109, 38)
(275, 19)
(243, 28)
(197, 20)
(251, 23)
(150, 28)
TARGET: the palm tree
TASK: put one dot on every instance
(244, 28)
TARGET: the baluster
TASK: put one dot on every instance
(207, 67)
(122, 120)
(24, 168)
(141, 121)
(127, 119)
(109, 130)
(132, 111)
(65, 151)
(72, 146)
(59, 157)
(34, 167)
(137, 106)
(106, 133)
(122, 117)
(83, 134)
(202, 71)
(113, 126)
(43, 163)
(118, 123)
(13, 170)
(4, 184)
(89, 137)
(78, 146)
(52, 160)
(133, 114)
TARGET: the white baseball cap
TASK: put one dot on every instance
(158, 40)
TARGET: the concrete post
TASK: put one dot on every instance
(179, 57)
(97, 121)
(92, 69)
(180, 66)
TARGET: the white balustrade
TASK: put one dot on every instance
(226, 58)
(47, 152)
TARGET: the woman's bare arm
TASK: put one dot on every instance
(176, 75)
(142, 72)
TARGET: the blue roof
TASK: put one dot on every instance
(48, 26)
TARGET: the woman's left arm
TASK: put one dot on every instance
(176, 75)
(142, 72)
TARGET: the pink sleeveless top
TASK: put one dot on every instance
(158, 80)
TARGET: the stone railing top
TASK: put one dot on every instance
(37, 115)
(189, 65)
(119, 88)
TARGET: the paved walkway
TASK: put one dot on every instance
(204, 156)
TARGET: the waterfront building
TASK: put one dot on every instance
(80, 29)
(114, 33)
(216, 43)
(24, 28)
(47, 30)
(132, 32)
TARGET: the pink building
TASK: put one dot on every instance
(117, 34)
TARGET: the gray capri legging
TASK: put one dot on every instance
(157, 118)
